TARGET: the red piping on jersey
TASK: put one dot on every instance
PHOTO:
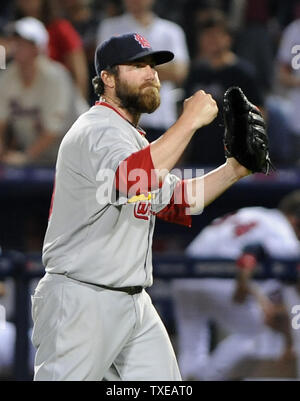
(120, 114)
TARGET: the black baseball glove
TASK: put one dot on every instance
(245, 136)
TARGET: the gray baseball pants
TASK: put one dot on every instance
(83, 332)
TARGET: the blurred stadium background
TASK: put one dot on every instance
(260, 33)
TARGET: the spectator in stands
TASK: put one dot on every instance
(214, 69)
(256, 316)
(6, 12)
(162, 34)
(286, 11)
(289, 77)
(38, 101)
(65, 44)
(108, 8)
(193, 11)
(2, 289)
(253, 40)
(85, 21)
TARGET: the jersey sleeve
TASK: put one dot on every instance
(281, 242)
(136, 174)
(169, 203)
(168, 199)
(110, 148)
(107, 148)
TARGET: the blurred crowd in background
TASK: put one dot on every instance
(217, 44)
(255, 44)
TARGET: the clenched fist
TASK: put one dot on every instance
(199, 110)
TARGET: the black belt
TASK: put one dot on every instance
(131, 290)
(136, 289)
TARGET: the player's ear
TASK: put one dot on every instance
(108, 79)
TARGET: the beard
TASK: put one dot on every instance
(145, 99)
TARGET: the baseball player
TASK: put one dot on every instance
(248, 313)
(93, 319)
(8, 330)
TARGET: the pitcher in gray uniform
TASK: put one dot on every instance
(93, 319)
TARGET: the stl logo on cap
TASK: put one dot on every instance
(142, 41)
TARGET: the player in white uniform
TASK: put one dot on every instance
(198, 301)
(93, 319)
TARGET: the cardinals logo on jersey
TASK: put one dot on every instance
(142, 210)
(142, 207)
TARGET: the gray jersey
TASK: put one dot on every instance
(92, 237)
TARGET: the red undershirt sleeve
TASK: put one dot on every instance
(177, 211)
(136, 175)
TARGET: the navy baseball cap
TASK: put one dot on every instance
(129, 47)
